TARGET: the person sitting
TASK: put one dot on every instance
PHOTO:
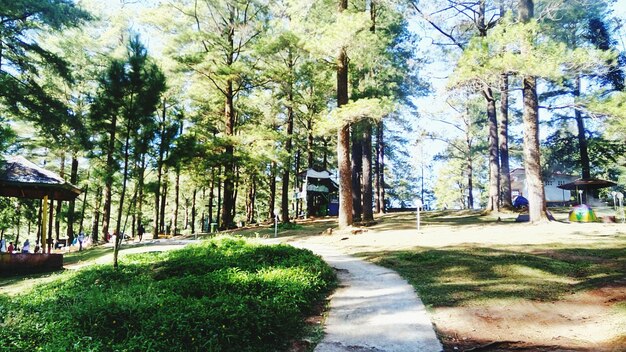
(10, 249)
(26, 247)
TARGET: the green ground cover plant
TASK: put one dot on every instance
(219, 295)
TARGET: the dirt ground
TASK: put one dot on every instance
(582, 321)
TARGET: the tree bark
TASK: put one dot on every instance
(272, 196)
(532, 153)
(193, 210)
(140, 185)
(96, 216)
(211, 195)
(469, 166)
(229, 167)
(288, 144)
(357, 170)
(366, 181)
(176, 199)
(50, 219)
(343, 138)
(582, 137)
(379, 169)
(118, 227)
(505, 172)
(163, 199)
(493, 203)
(310, 153)
(157, 191)
(57, 220)
(108, 177)
(72, 204)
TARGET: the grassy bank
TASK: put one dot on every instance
(221, 295)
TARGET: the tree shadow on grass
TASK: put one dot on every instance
(455, 276)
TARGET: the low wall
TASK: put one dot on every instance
(11, 264)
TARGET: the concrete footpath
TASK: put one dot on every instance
(373, 310)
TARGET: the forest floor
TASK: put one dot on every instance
(492, 284)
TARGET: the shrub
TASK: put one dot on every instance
(219, 295)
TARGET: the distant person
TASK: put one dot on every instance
(37, 248)
(80, 238)
(3, 246)
(26, 247)
(11, 248)
(140, 231)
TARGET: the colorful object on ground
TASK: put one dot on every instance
(582, 213)
(520, 201)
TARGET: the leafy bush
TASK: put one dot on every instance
(219, 295)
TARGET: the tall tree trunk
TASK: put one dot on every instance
(366, 150)
(236, 193)
(219, 194)
(164, 190)
(272, 196)
(357, 170)
(229, 167)
(50, 219)
(469, 167)
(309, 147)
(532, 153)
(96, 217)
(297, 184)
(140, 185)
(83, 206)
(325, 155)
(379, 169)
(108, 177)
(343, 138)
(57, 220)
(470, 183)
(118, 227)
(72, 204)
(193, 210)
(176, 199)
(493, 203)
(250, 200)
(582, 137)
(287, 166)
(493, 200)
(505, 173)
(366, 182)
(157, 192)
(211, 195)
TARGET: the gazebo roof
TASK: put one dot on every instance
(23, 179)
(587, 183)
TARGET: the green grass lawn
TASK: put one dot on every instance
(465, 275)
(219, 295)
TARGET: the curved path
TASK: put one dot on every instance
(373, 310)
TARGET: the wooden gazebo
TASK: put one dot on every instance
(23, 179)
